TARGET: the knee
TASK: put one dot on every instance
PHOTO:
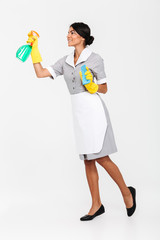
(103, 159)
(89, 162)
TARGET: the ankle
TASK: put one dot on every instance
(127, 193)
(96, 203)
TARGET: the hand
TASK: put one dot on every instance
(88, 75)
(33, 40)
(91, 87)
(35, 54)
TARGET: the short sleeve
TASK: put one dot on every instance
(98, 70)
(56, 69)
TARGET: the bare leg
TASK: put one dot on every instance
(116, 175)
(92, 178)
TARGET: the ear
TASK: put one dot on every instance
(83, 38)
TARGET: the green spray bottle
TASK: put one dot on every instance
(24, 51)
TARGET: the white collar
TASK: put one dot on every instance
(83, 56)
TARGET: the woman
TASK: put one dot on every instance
(93, 130)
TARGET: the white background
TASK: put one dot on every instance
(43, 186)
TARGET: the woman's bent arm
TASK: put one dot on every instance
(102, 88)
(40, 71)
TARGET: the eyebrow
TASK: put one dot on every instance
(72, 31)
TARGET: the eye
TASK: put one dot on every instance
(72, 32)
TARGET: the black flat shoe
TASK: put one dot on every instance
(131, 210)
(90, 217)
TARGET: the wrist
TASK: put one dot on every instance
(35, 55)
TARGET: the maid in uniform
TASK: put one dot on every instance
(92, 126)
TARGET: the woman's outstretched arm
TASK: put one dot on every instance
(40, 71)
(36, 57)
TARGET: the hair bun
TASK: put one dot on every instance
(90, 40)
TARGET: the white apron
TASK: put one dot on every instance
(89, 122)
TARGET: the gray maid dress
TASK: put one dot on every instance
(65, 66)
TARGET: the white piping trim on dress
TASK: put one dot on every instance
(52, 72)
(104, 80)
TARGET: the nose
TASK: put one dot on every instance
(68, 35)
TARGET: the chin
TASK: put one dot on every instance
(70, 45)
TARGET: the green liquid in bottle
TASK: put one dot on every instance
(23, 52)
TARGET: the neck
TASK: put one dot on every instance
(78, 50)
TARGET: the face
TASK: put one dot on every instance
(74, 38)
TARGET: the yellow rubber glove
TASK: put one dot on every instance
(35, 54)
(91, 87)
